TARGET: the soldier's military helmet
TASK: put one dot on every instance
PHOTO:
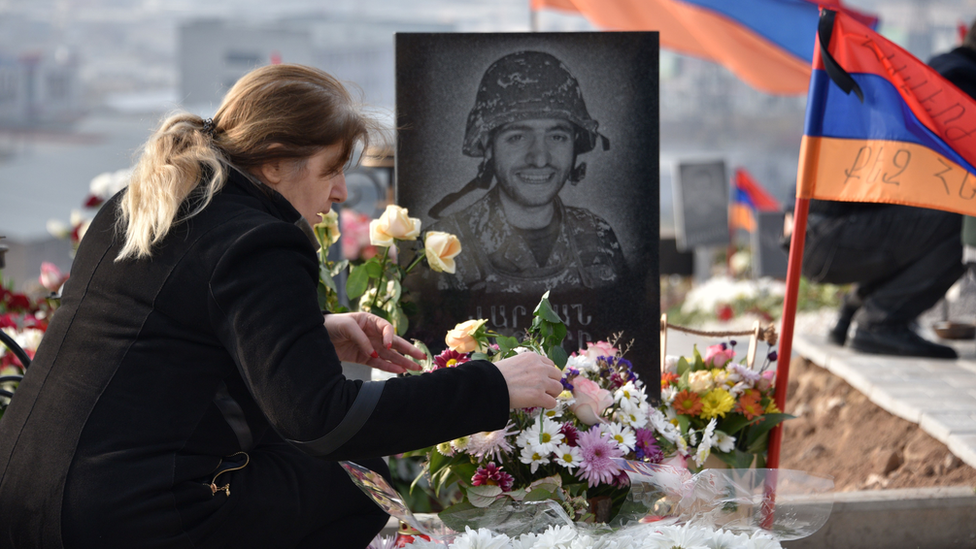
(527, 85)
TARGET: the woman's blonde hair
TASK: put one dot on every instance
(273, 113)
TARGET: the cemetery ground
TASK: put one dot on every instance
(839, 432)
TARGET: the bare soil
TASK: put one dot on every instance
(839, 432)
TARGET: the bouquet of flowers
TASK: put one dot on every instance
(23, 320)
(721, 408)
(375, 284)
(567, 454)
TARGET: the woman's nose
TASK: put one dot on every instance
(339, 191)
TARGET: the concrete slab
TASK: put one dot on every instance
(920, 518)
(926, 518)
(942, 425)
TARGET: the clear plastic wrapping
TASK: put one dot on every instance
(778, 503)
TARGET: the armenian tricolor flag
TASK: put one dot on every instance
(748, 197)
(882, 126)
(766, 43)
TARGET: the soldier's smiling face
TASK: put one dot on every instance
(533, 159)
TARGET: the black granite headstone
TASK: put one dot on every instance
(768, 256)
(540, 151)
(701, 204)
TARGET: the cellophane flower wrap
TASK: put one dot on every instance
(720, 407)
(566, 454)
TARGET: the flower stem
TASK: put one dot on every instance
(414, 263)
(386, 254)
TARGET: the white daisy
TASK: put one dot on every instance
(533, 458)
(567, 456)
(707, 440)
(630, 393)
(668, 394)
(460, 444)
(542, 436)
(663, 426)
(624, 435)
(633, 416)
(724, 442)
(445, 449)
(557, 411)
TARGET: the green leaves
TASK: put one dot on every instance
(548, 331)
(358, 281)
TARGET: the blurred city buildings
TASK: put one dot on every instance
(83, 82)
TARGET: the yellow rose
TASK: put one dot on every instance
(440, 249)
(330, 224)
(461, 338)
(393, 224)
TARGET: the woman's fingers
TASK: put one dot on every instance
(532, 380)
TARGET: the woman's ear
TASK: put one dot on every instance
(270, 172)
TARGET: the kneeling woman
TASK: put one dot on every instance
(188, 392)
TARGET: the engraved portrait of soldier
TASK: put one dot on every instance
(540, 152)
(529, 126)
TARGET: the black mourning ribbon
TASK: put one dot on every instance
(836, 73)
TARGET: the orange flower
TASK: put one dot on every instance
(749, 404)
(688, 403)
(667, 378)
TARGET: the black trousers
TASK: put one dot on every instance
(283, 498)
(903, 259)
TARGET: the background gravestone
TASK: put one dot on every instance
(438, 79)
(701, 204)
(768, 256)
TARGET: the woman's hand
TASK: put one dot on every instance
(367, 339)
(533, 380)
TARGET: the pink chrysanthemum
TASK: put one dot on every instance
(449, 359)
(493, 444)
(598, 451)
(569, 431)
(492, 475)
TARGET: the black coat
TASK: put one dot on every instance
(154, 370)
(959, 67)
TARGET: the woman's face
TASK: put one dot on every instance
(310, 190)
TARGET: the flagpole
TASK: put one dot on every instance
(797, 239)
(793, 269)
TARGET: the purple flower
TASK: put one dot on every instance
(772, 356)
(647, 448)
(598, 451)
(570, 374)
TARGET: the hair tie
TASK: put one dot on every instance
(209, 127)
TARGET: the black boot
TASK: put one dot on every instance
(899, 340)
(838, 334)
